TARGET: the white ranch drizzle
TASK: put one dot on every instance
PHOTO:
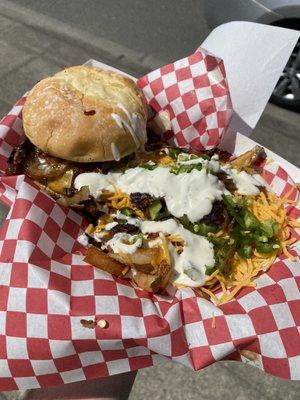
(189, 266)
(115, 151)
(135, 126)
(197, 254)
(246, 184)
(124, 243)
(192, 194)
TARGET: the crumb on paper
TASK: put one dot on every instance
(90, 112)
(89, 324)
(250, 355)
(102, 323)
(213, 322)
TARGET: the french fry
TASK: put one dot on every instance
(154, 282)
(142, 260)
(246, 160)
(101, 260)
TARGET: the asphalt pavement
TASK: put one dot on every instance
(37, 38)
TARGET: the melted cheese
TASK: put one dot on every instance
(62, 183)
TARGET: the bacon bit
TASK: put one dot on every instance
(152, 236)
(89, 324)
(91, 112)
(102, 323)
(250, 355)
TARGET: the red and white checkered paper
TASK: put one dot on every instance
(194, 92)
(46, 289)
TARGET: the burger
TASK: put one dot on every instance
(158, 214)
(80, 119)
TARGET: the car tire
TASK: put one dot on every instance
(287, 91)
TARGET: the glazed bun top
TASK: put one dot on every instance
(86, 114)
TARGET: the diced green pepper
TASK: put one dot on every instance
(266, 248)
(229, 202)
(175, 169)
(185, 221)
(198, 227)
(270, 228)
(209, 270)
(231, 206)
(202, 229)
(179, 169)
(183, 157)
(223, 253)
(260, 238)
(185, 168)
(148, 166)
(172, 152)
(154, 209)
(245, 251)
(127, 211)
(250, 221)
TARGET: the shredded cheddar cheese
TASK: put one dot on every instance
(119, 200)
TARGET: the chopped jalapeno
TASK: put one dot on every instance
(210, 270)
(203, 229)
(266, 248)
(250, 221)
(154, 209)
(245, 251)
(179, 169)
(149, 166)
(269, 227)
(127, 211)
(172, 152)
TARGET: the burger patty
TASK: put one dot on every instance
(46, 169)
(57, 176)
